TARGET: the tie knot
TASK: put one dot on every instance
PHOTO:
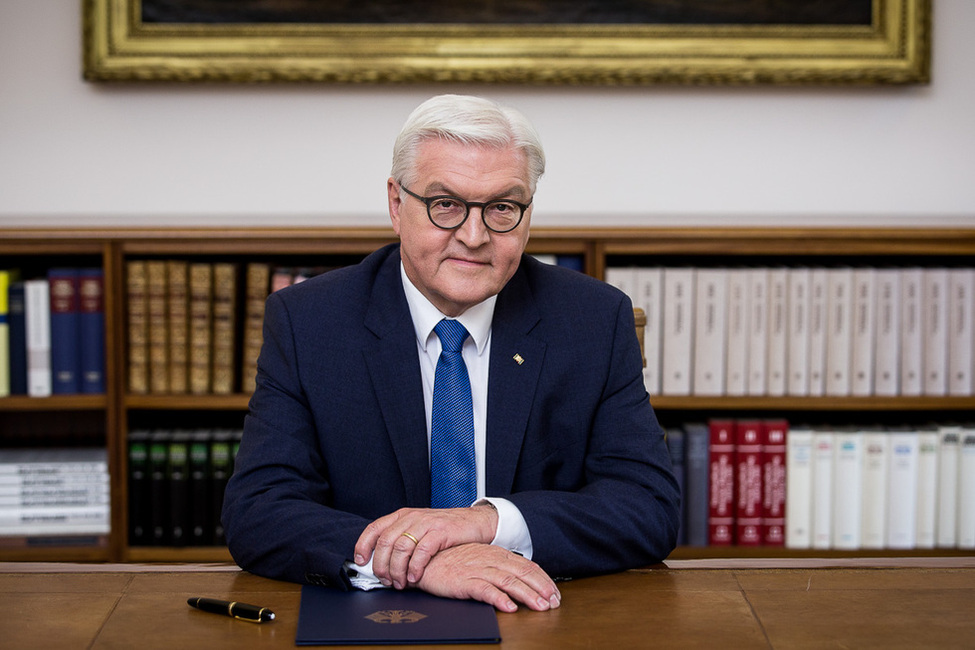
(452, 335)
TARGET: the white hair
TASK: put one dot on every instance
(467, 120)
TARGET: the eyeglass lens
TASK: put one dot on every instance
(450, 212)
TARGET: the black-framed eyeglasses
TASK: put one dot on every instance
(450, 212)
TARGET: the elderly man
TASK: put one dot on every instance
(451, 414)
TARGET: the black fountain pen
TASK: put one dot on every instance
(241, 611)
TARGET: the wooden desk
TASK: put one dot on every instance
(686, 604)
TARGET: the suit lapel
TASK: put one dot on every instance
(395, 373)
(394, 370)
(515, 368)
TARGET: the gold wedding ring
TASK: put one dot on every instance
(409, 536)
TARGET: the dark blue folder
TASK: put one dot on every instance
(386, 616)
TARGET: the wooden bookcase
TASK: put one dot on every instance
(107, 419)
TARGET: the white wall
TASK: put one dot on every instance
(76, 153)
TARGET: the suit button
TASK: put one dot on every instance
(319, 579)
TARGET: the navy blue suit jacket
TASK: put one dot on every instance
(336, 434)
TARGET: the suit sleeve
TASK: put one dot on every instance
(275, 514)
(624, 510)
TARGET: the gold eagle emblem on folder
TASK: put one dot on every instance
(396, 616)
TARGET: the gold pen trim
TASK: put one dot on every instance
(259, 617)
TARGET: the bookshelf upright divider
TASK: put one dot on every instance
(120, 414)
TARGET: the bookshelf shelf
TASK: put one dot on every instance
(786, 404)
(53, 553)
(236, 402)
(821, 242)
(757, 552)
(64, 403)
(194, 554)
(109, 419)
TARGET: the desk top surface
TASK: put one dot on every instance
(683, 604)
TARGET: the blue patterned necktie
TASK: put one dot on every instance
(453, 474)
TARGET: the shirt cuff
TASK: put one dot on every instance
(362, 577)
(512, 533)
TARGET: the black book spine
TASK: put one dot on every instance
(18, 339)
(221, 466)
(178, 470)
(159, 488)
(139, 505)
(201, 528)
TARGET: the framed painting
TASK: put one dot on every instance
(544, 42)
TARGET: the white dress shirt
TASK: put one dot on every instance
(512, 532)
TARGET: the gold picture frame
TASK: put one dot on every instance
(894, 49)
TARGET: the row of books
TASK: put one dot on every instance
(808, 331)
(197, 327)
(176, 481)
(755, 482)
(54, 494)
(52, 333)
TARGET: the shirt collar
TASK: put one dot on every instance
(477, 319)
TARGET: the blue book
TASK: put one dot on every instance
(675, 444)
(18, 339)
(65, 359)
(329, 616)
(574, 262)
(91, 330)
(697, 455)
